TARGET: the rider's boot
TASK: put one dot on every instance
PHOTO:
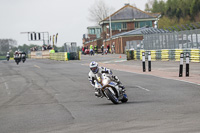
(98, 93)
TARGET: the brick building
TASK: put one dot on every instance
(126, 25)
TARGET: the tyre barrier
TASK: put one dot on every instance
(64, 56)
(164, 54)
(60, 56)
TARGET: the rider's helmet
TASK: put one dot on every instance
(94, 67)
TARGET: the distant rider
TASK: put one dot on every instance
(94, 69)
(8, 54)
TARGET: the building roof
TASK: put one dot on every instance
(132, 32)
(129, 12)
(93, 27)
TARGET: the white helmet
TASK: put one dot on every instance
(94, 67)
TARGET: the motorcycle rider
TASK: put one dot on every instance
(8, 55)
(94, 69)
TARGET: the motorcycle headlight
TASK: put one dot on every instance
(105, 82)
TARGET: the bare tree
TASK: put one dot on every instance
(99, 11)
(5, 45)
(149, 5)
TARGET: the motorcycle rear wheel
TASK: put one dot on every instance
(124, 99)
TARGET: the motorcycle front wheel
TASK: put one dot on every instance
(112, 96)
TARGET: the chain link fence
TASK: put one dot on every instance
(188, 39)
(72, 50)
(134, 45)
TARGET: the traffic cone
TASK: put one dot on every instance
(120, 56)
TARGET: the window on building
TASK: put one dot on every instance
(118, 26)
(92, 31)
(124, 25)
(98, 33)
(136, 25)
(143, 23)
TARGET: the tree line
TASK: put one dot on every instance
(175, 12)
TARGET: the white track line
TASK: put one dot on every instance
(36, 66)
(142, 88)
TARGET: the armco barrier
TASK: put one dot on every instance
(165, 54)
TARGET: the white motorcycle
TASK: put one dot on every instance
(23, 58)
(8, 57)
(110, 89)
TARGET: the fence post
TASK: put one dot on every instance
(181, 65)
(187, 64)
(143, 61)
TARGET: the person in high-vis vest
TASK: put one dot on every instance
(95, 48)
(52, 50)
(91, 50)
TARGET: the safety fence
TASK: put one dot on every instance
(165, 39)
(164, 54)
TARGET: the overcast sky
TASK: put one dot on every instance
(68, 18)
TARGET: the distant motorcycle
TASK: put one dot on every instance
(110, 89)
(8, 57)
(23, 58)
(17, 58)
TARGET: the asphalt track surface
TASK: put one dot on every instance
(46, 96)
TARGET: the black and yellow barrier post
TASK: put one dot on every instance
(143, 61)
(181, 65)
(149, 61)
(187, 64)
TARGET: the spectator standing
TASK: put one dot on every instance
(113, 48)
(83, 49)
(108, 48)
(91, 50)
(95, 48)
(102, 48)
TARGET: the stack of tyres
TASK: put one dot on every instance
(128, 55)
(195, 55)
(177, 54)
(158, 54)
(131, 52)
(165, 55)
(153, 55)
(73, 56)
(172, 54)
(138, 54)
